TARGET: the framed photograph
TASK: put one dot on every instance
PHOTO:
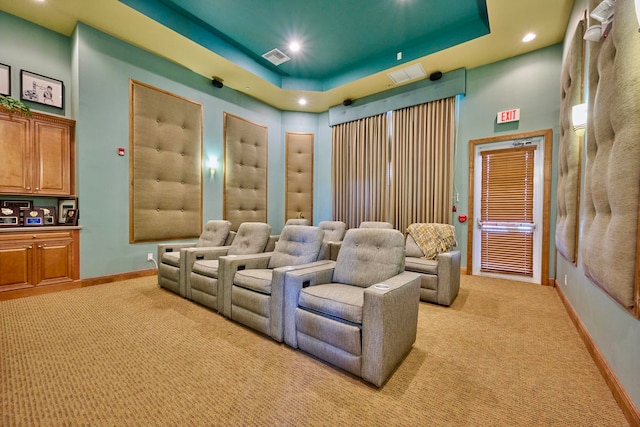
(41, 89)
(63, 207)
(5, 80)
(71, 217)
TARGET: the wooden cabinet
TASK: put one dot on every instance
(34, 258)
(38, 155)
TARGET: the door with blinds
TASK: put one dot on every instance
(508, 209)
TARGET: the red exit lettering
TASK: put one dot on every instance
(509, 115)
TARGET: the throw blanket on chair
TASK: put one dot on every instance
(433, 238)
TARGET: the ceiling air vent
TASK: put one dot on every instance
(408, 73)
(276, 57)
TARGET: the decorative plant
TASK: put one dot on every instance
(14, 105)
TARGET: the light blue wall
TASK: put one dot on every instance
(25, 46)
(615, 332)
(530, 82)
(322, 208)
(105, 66)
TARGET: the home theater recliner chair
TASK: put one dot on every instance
(203, 285)
(361, 313)
(172, 259)
(438, 265)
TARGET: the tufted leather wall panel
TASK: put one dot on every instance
(299, 184)
(165, 165)
(570, 149)
(609, 236)
(245, 176)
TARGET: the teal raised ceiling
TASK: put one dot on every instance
(342, 41)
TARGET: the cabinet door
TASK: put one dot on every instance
(54, 262)
(15, 266)
(52, 144)
(15, 152)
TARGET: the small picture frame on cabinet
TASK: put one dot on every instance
(63, 207)
(71, 217)
(5, 80)
(9, 216)
(33, 218)
(49, 212)
(26, 204)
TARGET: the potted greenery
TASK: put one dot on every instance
(14, 105)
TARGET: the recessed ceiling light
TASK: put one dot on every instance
(529, 37)
(302, 101)
(294, 46)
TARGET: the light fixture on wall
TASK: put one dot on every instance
(212, 164)
(579, 118)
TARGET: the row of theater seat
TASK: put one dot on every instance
(358, 312)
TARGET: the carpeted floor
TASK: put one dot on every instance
(130, 353)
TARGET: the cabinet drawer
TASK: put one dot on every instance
(31, 235)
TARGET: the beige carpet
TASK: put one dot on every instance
(130, 353)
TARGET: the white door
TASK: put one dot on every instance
(508, 209)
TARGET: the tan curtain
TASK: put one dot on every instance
(422, 163)
(360, 171)
(403, 178)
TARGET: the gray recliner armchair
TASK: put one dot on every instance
(333, 234)
(202, 284)
(360, 314)
(253, 285)
(376, 224)
(172, 259)
(437, 263)
(297, 221)
(274, 237)
(334, 247)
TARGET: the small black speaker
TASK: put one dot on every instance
(347, 102)
(217, 82)
(436, 75)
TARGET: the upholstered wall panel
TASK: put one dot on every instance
(299, 197)
(612, 171)
(165, 165)
(570, 149)
(245, 177)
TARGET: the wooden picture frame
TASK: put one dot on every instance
(63, 207)
(41, 89)
(27, 204)
(71, 217)
(5, 80)
(49, 212)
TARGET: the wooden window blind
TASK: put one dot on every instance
(506, 211)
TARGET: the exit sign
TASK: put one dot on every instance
(509, 115)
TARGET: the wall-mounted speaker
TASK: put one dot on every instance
(217, 82)
(347, 102)
(436, 75)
